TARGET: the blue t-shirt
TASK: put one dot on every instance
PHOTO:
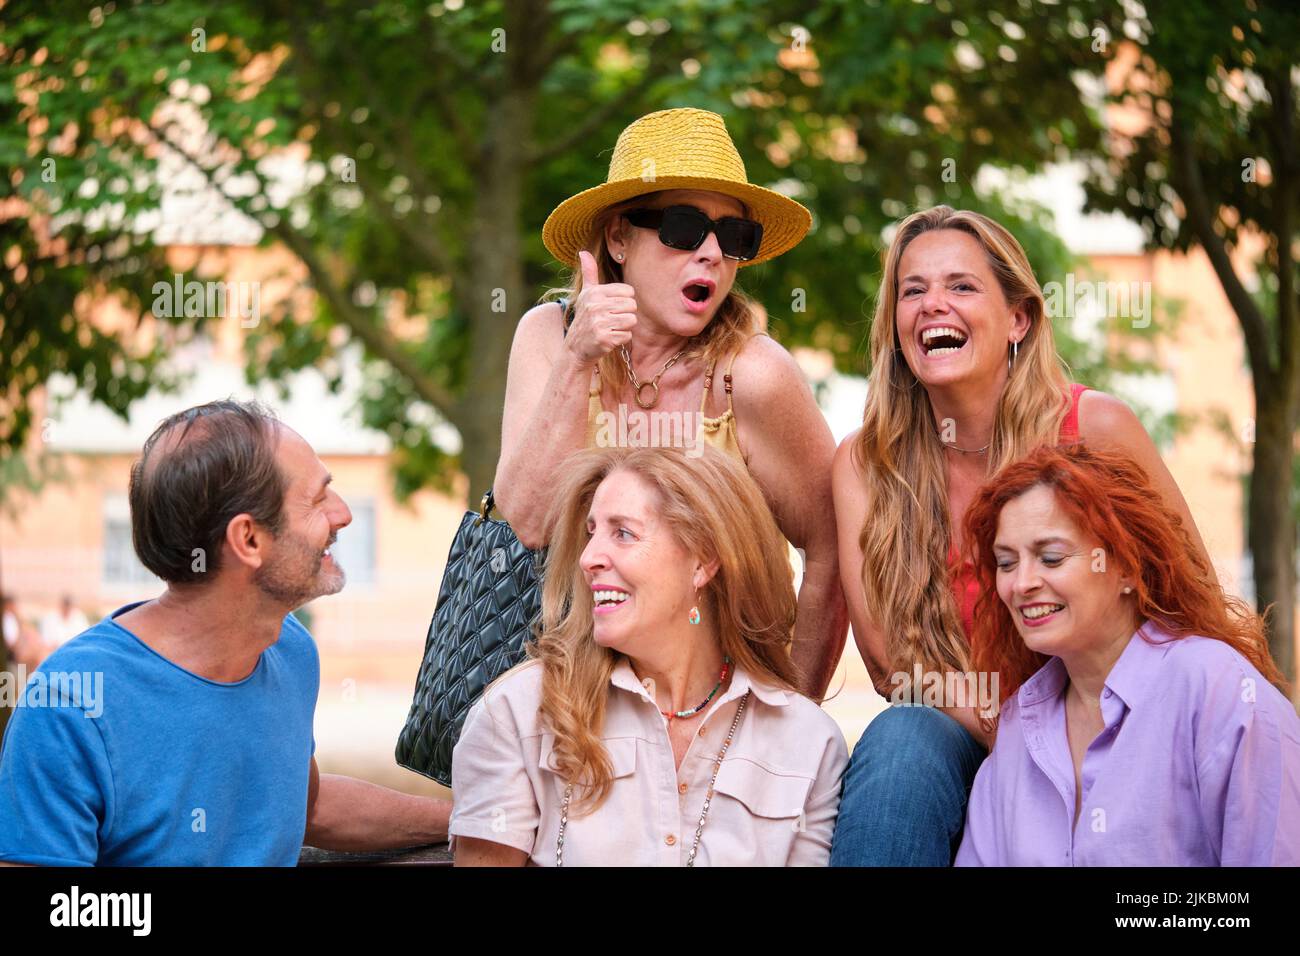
(143, 763)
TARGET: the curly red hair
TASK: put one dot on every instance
(1110, 499)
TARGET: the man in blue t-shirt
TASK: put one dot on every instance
(178, 731)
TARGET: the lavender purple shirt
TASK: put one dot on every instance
(1198, 765)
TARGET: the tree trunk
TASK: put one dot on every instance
(496, 290)
(1272, 532)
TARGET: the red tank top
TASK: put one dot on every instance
(965, 587)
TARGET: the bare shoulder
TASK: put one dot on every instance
(772, 394)
(848, 480)
(541, 328)
(845, 467)
(764, 368)
(1103, 417)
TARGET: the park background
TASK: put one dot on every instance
(377, 175)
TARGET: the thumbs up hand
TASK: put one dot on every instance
(604, 314)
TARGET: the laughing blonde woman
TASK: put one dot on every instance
(657, 724)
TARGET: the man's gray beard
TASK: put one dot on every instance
(283, 583)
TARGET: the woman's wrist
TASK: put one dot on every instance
(574, 364)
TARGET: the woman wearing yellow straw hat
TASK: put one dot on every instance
(631, 349)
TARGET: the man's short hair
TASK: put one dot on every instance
(185, 493)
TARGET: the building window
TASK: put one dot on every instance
(355, 548)
(121, 566)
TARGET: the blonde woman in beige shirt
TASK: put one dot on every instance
(656, 723)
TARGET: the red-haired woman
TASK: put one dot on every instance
(1139, 723)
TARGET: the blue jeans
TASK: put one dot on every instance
(905, 791)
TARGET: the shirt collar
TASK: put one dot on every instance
(624, 678)
(1129, 679)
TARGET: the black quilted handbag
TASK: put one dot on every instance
(489, 599)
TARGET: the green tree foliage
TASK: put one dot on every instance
(438, 137)
(1218, 159)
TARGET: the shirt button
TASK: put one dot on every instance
(670, 840)
(1106, 693)
(681, 788)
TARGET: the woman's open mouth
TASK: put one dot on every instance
(608, 601)
(943, 340)
(1036, 615)
(697, 295)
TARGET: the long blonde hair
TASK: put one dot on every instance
(906, 537)
(715, 510)
(737, 319)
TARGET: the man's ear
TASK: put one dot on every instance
(247, 540)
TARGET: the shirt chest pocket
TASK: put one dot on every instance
(764, 793)
(607, 837)
(621, 750)
(756, 815)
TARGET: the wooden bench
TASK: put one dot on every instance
(435, 854)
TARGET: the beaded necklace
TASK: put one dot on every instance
(722, 679)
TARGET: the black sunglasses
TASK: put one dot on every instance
(685, 227)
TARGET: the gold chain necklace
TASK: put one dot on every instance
(653, 383)
(704, 813)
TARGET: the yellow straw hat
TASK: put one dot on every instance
(676, 149)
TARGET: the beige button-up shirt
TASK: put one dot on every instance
(774, 804)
